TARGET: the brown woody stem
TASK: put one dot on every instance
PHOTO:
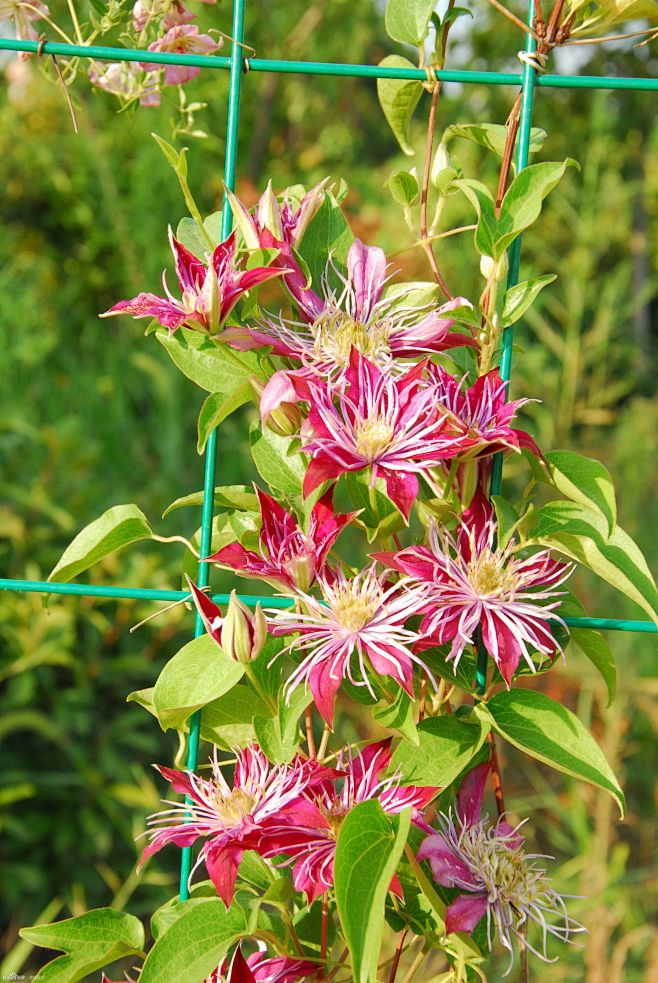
(496, 779)
(396, 957)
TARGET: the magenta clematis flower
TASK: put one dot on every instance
(232, 819)
(392, 426)
(383, 329)
(209, 291)
(486, 862)
(311, 849)
(288, 557)
(259, 968)
(361, 616)
(481, 413)
(473, 583)
(183, 39)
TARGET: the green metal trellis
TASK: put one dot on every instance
(236, 64)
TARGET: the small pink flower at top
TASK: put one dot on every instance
(473, 583)
(481, 413)
(182, 39)
(288, 557)
(209, 290)
(260, 968)
(358, 619)
(495, 877)
(393, 426)
(312, 848)
(23, 16)
(231, 820)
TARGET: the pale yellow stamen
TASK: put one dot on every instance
(506, 872)
(372, 438)
(235, 806)
(335, 332)
(354, 604)
(487, 575)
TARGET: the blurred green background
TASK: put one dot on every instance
(92, 415)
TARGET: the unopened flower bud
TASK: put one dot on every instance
(487, 266)
(243, 633)
(285, 420)
(468, 482)
(492, 269)
(269, 213)
(440, 163)
(301, 570)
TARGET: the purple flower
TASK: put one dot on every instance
(393, 426)
(473, 583)
(495, 877)
(209, 290)
(260, 968)
(183, 39)
(362, 617)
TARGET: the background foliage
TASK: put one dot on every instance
(91, 415)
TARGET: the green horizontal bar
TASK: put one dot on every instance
(326, 68)
(145, 594)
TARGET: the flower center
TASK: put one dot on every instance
(372, 438)
(507, 872)
(233, 808)
(487, 575)
(354, 605)
(335, 332)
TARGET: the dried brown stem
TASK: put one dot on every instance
(396, 957)
(310, 740)
(496, 779)
(324, 933)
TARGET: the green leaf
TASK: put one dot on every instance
(414, 293)
(487, 227)
(327, 236)
(226, 497)
(398, 715)
(143, 698)
(212, 365)
(398, 99)
(507, 518)
(216, 407)
(369, 847)
(520, 297)
(168, 913)
(278, 462)
(228, 721)
(404, 188)
(378, 514)
(189, 234)
(117, 528)
(593, 645)
(584, 480)
(492, 136)
(279, 736)
(408, 21)
(522, 202)
(549, 732)
(446, 745)
(583, 535)
(196, 675)
(194, 945)
(89, 941)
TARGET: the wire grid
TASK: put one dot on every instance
(237, 64)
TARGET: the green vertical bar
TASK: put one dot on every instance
(528, 92)
(211, 448)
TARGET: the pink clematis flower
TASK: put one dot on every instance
(481, 413)
(363, 616)
(473, 583)
(392, 426)
(312, 849)
(486, 862)
(127, 81)
(288, 557)
(23, 17)
(209, 291)
(259, 968)
(383, 329)
(182, 39)
(231, 820)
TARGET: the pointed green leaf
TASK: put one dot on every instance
(446, 745)
(398, 99)
(89, 941)
(520, 297)
(228, 721)
(215, 409)
(408, 21)
(117, 528)
(523, 201)
(492, 136)
(196, 675)
(279, 736)
(584, 480)
(583, 535)
(143, 698)
(486, 232)
(239, 497)
(404, 188)
(546, 730)
(399, 716)
(369, 847)
(278, 461)
(212, 365)
(328, 236)
(195, 943)
(189, 234)
(592, 644)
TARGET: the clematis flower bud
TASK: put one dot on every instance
(268, 213)
(496, 269)
(243, 634)
(285, 420)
